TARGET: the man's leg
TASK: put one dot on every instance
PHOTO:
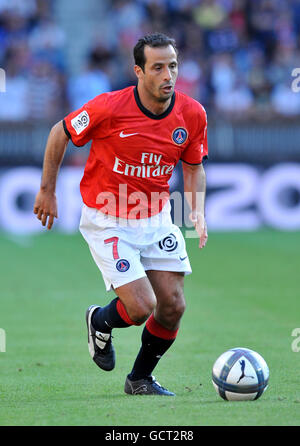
(161, 328)
(135, 302)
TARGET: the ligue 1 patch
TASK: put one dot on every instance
(80, 122)
(168, 243)
(122, 265)
(179, 135)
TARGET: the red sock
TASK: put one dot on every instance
(156, 340)
(114, 315)
(123, 313)
(158, 330)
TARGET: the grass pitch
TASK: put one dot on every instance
(244, 292)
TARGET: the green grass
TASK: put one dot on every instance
(244, 292)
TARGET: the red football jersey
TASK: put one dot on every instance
(134, 151)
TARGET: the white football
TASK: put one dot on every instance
(240, 374)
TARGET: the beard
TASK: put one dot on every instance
(163, 99)
(158, 94)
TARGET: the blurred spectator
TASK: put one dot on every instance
(45, 91)
(237, 102)
(209, 14)
(188, 80)
(223, 73)
(31, 53)
(284, 101)
(23, 8)
(86, 86)
(222, 39)
(47, 39)
(14, 103)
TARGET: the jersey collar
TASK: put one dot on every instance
(148, 112)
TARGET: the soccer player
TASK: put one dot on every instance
(138, 136)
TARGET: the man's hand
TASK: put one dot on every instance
(200, 226)
(45, 207)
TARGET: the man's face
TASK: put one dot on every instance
(160, 72)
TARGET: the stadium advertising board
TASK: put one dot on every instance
(240, 197)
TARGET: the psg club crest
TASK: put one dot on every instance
(122, 265)
(179, 135)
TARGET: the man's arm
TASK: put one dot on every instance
(195, 190)
(45, 202)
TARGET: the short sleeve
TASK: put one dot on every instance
(81, 125)
(197, 150)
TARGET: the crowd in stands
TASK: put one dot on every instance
(236, 56)
(31, 53)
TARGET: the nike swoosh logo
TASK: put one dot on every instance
(123, 135)
(183, 258)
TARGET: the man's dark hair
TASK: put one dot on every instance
(156, 40)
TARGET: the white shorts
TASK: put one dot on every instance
(123, 255)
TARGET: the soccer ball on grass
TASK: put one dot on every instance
(240, 374)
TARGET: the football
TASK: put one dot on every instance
(240, 374)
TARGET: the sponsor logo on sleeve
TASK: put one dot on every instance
(80, 122)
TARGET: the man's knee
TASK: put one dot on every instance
(138, 298)
(171, 310)
(180, 307)
(177, 308)
(141, 309)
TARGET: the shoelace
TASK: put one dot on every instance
(101, 338)
(107, 342)
(156, 383)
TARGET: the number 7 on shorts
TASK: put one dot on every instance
(114, 241)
